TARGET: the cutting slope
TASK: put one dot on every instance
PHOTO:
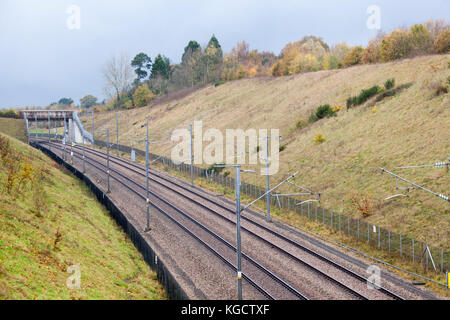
(49, 221)
(409, 128)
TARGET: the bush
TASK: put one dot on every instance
(319, 138)
(218, 83)
(367, 94)
(325, 111)
(11, 113)
(389, 84)
(283, 147)
(353, 57)
(313, 117)
(442, 43)
(421, 40)
(363, 96)
(215, 169)
(300, 124)
(351, 102)
(364, 203)
(142, 96)
(396, 45)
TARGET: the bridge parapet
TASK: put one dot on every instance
(42, 115)
(75, 132)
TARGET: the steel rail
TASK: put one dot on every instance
(292, 242)
(165, 201)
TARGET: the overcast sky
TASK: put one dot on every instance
(42, 60)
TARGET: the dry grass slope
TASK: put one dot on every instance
(43, 233)
(411, 128)
(14, 128)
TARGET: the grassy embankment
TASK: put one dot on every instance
(14, 128)
(412, 127)
(49, 220)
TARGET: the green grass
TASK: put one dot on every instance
(14, 128)
(32, 267)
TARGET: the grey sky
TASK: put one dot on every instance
(41, 60)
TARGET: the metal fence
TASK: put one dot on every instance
(392, 243)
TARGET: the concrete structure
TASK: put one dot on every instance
(74, 128)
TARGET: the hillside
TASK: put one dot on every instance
(49, 221)
(410, 128)
(14, 128)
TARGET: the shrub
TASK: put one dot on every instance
(363, 96)
(448, 80)
(319, 138)
(442, 43)
(215, 169)
(142, 96)
(396, 45)
(353, 57)
(218, 83)
(313, 117)
(283, 147)
(351, 102)
(421, 40)
(366, 95)
(325, 111)
(300, 124)
(363, 203)
(389, 84)
(336, 109)
(11, 113)
(372, 53)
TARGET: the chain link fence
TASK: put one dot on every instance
(392, 243)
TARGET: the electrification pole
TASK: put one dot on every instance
(107, 158)
(147, 182)
(192, 159)
(84, 155)
(48, 115)
(117, 132)
(93, 131)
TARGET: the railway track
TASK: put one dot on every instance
(225, 251)
(188, 193)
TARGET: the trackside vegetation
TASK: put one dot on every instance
(50, 221)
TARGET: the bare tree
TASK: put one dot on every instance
(118, 74)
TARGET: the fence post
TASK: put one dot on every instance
(309, 211)
(340, 222)
(379, 237)
(323, 215)
(358, 228)
(368, 233)
(331, 221)
(389, 240)
(348, 225)
(442, 260)
(401, 252)
(316, 213)
(412, 241)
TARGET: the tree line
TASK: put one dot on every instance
(132, 83)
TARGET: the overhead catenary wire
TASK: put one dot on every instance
(440, 196)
